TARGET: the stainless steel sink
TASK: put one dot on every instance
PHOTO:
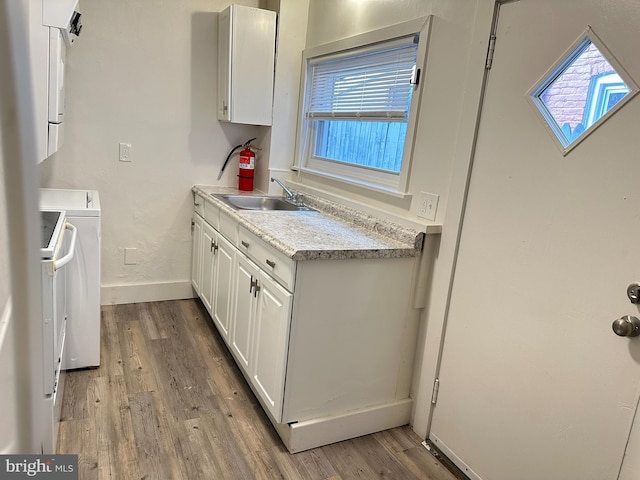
(260, 202)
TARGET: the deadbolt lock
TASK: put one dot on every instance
(633, 292)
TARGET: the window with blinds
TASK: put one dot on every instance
(369, 83)
(356, 110)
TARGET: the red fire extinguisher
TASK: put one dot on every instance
(247, 168)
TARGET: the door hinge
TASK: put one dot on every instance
(490, 50)
(434, 393)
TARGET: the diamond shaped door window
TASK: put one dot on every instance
(581, 91)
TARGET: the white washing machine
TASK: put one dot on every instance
(82, 209)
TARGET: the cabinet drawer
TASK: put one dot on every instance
(229, 228)
(211, 214)
(198, 204)
(275, 263)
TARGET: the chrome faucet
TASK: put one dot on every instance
(292, 197)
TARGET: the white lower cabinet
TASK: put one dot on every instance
(212, 266)
(326, 345)
(216, 270)
(251, 311)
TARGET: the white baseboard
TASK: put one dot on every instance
(323, 431)
(145, 292)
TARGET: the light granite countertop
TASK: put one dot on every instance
(331, 232)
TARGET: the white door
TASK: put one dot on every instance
(534, 384)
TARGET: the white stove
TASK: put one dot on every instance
(82, 208)
(72, 333)
(58, 245)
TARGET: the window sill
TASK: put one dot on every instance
(356, 183)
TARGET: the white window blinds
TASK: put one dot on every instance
(374, 82)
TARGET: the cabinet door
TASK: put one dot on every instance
(246, 56)
(224, 64)
(196, 253)
(245, 283)
(271, 341)
(208, 249)
(223, 298)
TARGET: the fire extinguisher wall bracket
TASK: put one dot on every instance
(246, 169)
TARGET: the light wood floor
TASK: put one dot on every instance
(168, 402)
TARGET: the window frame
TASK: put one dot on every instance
(368, 178)
(566, 59)
(601, 89)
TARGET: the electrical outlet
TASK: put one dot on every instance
(130, 256)
(125, 152)
(428, 205)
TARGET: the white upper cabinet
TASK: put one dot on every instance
(246, 59)
(53, 27)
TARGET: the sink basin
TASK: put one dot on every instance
(260, 202)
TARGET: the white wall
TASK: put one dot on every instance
(145, 73)
(292, 32)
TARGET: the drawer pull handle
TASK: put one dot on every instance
(271, 263)
(245, 244)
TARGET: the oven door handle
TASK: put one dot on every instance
(72, 248)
